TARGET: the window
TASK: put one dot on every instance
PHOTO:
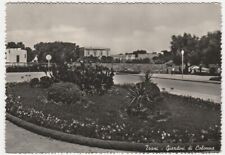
(25, 55)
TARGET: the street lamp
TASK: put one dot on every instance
(182, 59)
(48, 58)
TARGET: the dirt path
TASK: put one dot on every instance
(19, 140)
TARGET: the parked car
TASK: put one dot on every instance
(128, 71)
(197, 69)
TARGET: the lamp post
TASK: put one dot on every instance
(48, 58)
(182, 59)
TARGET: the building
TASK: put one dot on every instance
(95, 52)
(16, 55)
(132, 56)
(119, 57)
(147, 55)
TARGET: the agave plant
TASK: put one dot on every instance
(143, 95)
(138, 96)
(148, 76)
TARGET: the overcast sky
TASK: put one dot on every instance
(121, 27)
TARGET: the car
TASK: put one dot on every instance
(196, 69)
(128, 71)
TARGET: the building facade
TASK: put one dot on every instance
(131, 56)
(16, 55)
(95, 52)
(119, 57)
(147, 55)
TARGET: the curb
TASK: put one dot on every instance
(107, 144)
(156, 77)
(213, 82)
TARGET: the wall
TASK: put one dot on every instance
(156, 68)
(11, 55)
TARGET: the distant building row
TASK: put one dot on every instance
(18, 55)
(132, 56)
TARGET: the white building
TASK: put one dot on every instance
(147, 55)
(95, 52)
(130, 56)
(119, 57)
(16, 55)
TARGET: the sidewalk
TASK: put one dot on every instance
(19, 140)
(193, 78)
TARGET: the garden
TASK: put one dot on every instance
(83, 100)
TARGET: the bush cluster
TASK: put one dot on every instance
(65, 93)
(91, 79)
(34, 82)
(217, 78)
(44, 82)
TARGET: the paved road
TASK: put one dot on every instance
(185, 77)
(19, 140)
(23, 76)
(207, 91)
(195, 89)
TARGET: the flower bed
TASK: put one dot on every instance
(176, 118)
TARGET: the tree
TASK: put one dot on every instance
(60, 51)
(11, 45)
(163, 58)
(103, 59)
(139, 52)
(15, 45)
(146, 60)
(30, 54)
(20, 45)
(205, 50)
(106, 59)
(188, 43)
(210, 47)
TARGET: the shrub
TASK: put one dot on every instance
(152, 90)
(65, 92)
(92, 80)
(217, 78)
(143, 96)
(212, 71)
(45, 82)
(34, 82)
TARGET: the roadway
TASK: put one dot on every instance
(206, 91)
(201, 89)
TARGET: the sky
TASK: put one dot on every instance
(120, 27)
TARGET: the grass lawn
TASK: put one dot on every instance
(175, 119)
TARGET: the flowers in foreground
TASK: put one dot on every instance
(114, 131)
